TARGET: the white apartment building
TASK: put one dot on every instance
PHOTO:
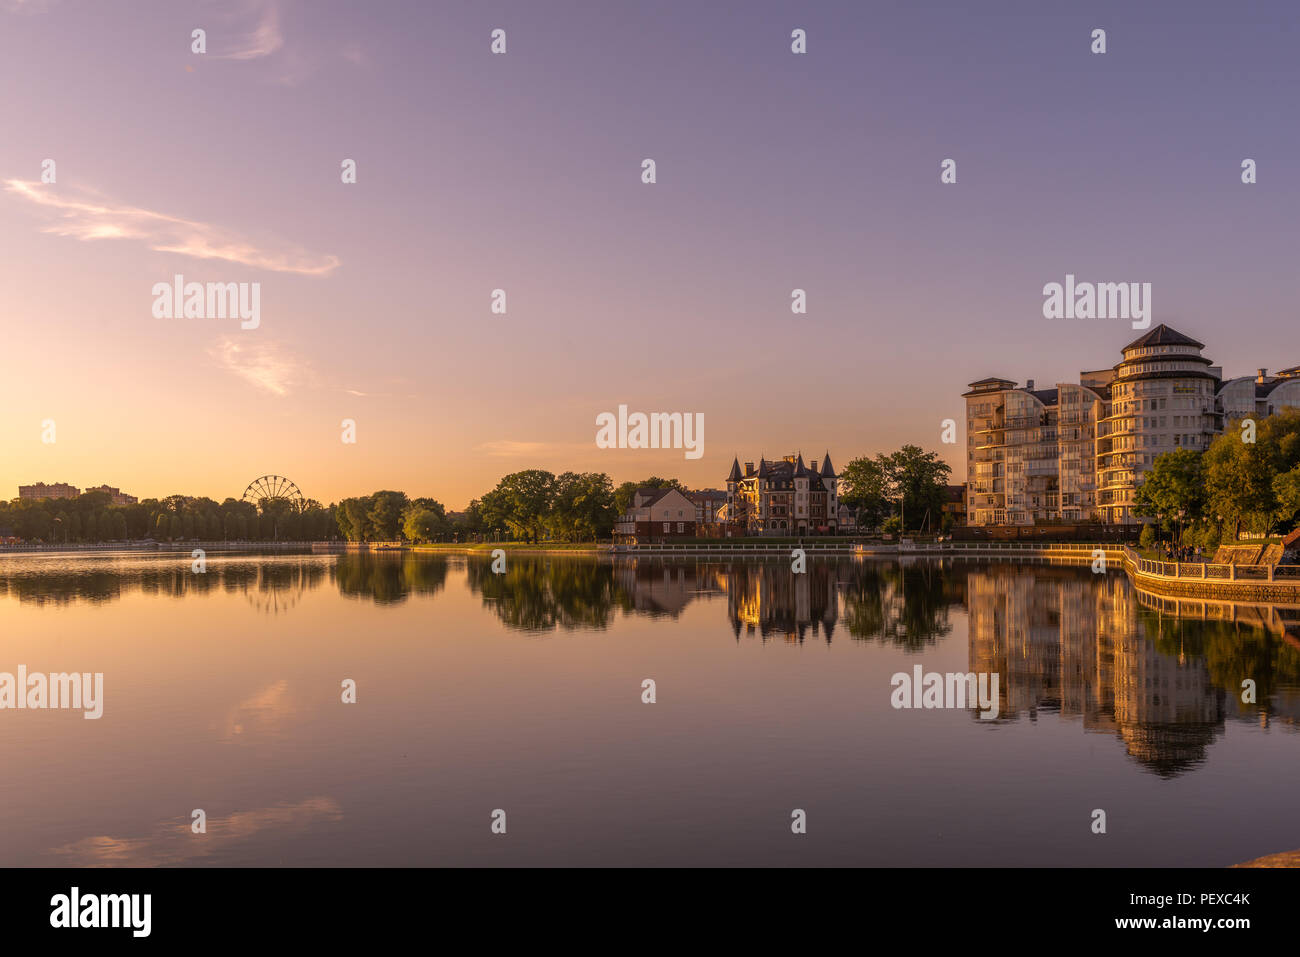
(1077, 452)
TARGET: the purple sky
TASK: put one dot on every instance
(522, 172)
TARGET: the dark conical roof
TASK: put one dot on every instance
(735, 471)
(1162, 335)
(800, 470)
(828, 470)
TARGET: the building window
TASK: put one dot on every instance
(681, 527)
(666, 524)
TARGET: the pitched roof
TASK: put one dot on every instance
(828, 470)
(1162, 335)
(734, 474)
(652, 495)
(705, 495)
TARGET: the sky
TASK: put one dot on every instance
(522, 171)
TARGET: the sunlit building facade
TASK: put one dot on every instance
(1078, 452)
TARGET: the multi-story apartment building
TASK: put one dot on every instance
(41, 490)
(784, 497)
(1078, 452)
(116, 494)
(1013, 476)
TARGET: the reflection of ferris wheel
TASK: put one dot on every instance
(275, 600)
(270, 489)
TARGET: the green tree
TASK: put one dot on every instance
(385, 514)
(582, 507)
(470, 521)
(623, 494)
(423, 524)
(1174, 490)
(353, 519)
(864, 486)
(1286, 489)
(527, 498)
(911, 476)
(1239, 475)
(493, 509)
(920, 478)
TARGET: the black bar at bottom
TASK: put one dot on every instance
(615, 907)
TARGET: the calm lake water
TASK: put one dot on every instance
(523, 692)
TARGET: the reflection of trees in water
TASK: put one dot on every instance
(390, 577)
(902, 605)
(1233, 651)
(269, 585)
(538, 594)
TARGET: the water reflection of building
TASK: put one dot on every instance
(657, 587)
(1077, 646)
(768, 600)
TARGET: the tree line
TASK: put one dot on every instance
(529, 506)
(91, 518)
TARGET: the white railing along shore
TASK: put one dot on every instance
(1211, 571)
(907, 548)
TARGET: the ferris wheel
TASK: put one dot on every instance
(273, 489)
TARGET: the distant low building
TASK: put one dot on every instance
(40, 490)
(656, 515)
(848, 519)
(119, 497)
(954, 503)
(708, 502)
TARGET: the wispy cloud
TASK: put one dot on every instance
(509, 448)
(264, 40)
(261, 364)
(172, 842)
(26, 6)
(263, 713)
(87, 217)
